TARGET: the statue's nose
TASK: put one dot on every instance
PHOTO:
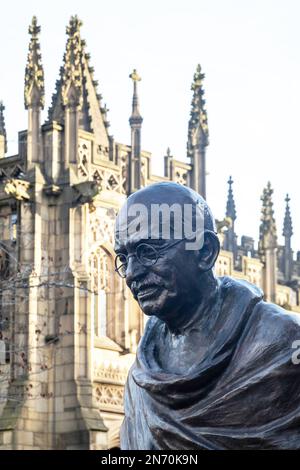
(135, 270)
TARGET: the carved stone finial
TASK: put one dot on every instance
(71, 90)
(34, 91)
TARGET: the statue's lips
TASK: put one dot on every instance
(145, 292)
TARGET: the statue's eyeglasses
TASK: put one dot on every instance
(146, 254)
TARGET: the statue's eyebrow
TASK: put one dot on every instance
(131, 246)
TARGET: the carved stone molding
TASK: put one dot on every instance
(111, 373)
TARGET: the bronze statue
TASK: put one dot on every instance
(214, 368)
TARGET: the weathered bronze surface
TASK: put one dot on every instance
(214, 368)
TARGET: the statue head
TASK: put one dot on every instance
(166, 246)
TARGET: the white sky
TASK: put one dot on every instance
(249, 51)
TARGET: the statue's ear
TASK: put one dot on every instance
(209, 252)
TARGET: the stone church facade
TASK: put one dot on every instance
(69, 327)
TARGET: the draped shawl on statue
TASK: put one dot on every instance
(243, 394)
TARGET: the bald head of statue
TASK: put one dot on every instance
(166, 247)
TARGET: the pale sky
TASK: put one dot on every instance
(249, 51)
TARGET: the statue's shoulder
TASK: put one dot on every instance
(276, 320)
(269, 322)
(239, 287)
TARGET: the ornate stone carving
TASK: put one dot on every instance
(102, 226)
(180, 176)
(110, 397)
(84, 155)
(110, 180)
(18, 189)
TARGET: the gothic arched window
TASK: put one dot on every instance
(102, 279)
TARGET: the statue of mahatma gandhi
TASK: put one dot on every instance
(214, 368)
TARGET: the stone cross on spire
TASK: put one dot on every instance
(135, 115)
(287, 223)
(34, 91)
(230, 207)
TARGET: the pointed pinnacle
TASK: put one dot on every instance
(287, 223)
(135, 118)
(2, 122)
(230, 206)
(34, 73)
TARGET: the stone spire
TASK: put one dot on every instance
(34, 91)
(267, 246)
(34, 96)
(230, 206)
(268, 231)
(135, 122)
(135, 117)
(77, 88)
(168, 164)
(198, 111)
(287, 233)
(198, 134)
(3, 137)
(230, 238)
(287, 223)
(71, 89)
